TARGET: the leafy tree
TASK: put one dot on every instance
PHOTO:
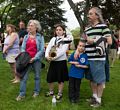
(47, 12)
(76, 33)
(110, 8)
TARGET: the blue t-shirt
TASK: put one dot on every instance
(78, 72)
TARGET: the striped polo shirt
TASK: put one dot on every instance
(100, 30)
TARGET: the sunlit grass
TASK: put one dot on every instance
(9, 91)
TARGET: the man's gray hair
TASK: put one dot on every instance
(37, 24)
(99, 14)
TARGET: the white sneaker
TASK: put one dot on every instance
(20, 98)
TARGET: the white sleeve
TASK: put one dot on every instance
(49, 46)
(62, 50)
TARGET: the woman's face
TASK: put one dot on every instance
(59, 31)
(8, 29)
(32, 28)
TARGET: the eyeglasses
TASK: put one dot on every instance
(92, 14)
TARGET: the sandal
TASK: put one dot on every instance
(48, 94)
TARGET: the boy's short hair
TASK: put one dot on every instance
(82, 40)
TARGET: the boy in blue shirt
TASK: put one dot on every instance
(77, 70)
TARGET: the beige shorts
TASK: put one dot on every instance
(11, 58)
(118, 52)
(113, 53)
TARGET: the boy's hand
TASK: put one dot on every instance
(76, 63)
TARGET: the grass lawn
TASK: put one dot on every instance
(9, 91)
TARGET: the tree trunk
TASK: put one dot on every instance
(77, 14)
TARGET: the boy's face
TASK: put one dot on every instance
(81, 47)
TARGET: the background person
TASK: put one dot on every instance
(22, 31)
(11, 49)
(113, 48)
(33, 43)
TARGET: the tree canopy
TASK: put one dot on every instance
(47, 12)
(110, 9)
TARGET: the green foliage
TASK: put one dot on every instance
(47, 12)
(9, 91)
(110, 9)
(76, 42)
(76, 32)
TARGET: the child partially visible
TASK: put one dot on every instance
(77, 70)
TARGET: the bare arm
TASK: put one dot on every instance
(109, 40)
(74, 62)
(81, 66)
(13, 37)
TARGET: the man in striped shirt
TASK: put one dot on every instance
(97, 30)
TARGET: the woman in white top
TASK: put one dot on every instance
(58, 71)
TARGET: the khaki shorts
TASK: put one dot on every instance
(118, 52)
(11, 58)
(113, 53)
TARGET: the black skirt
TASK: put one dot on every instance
(58, 71)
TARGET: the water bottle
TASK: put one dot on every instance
(53, 101)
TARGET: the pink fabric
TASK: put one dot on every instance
(31, 47)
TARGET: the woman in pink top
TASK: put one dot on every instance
(33, 43)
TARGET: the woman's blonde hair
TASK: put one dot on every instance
(13, 27)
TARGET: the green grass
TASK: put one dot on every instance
(9, 91)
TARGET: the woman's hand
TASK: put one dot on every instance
(5, 51)
(49, 58)
(31, 60)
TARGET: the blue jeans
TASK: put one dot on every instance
(36, 65)
(97, 71)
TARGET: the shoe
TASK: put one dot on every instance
(48, 94)
(95, 104)
(91, 100)
(59, 96)
(20, 98)
(35, 95)
(16, 81)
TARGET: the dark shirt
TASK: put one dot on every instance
(22, 33)
(114, 42)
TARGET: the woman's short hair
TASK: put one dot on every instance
(37, 24)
